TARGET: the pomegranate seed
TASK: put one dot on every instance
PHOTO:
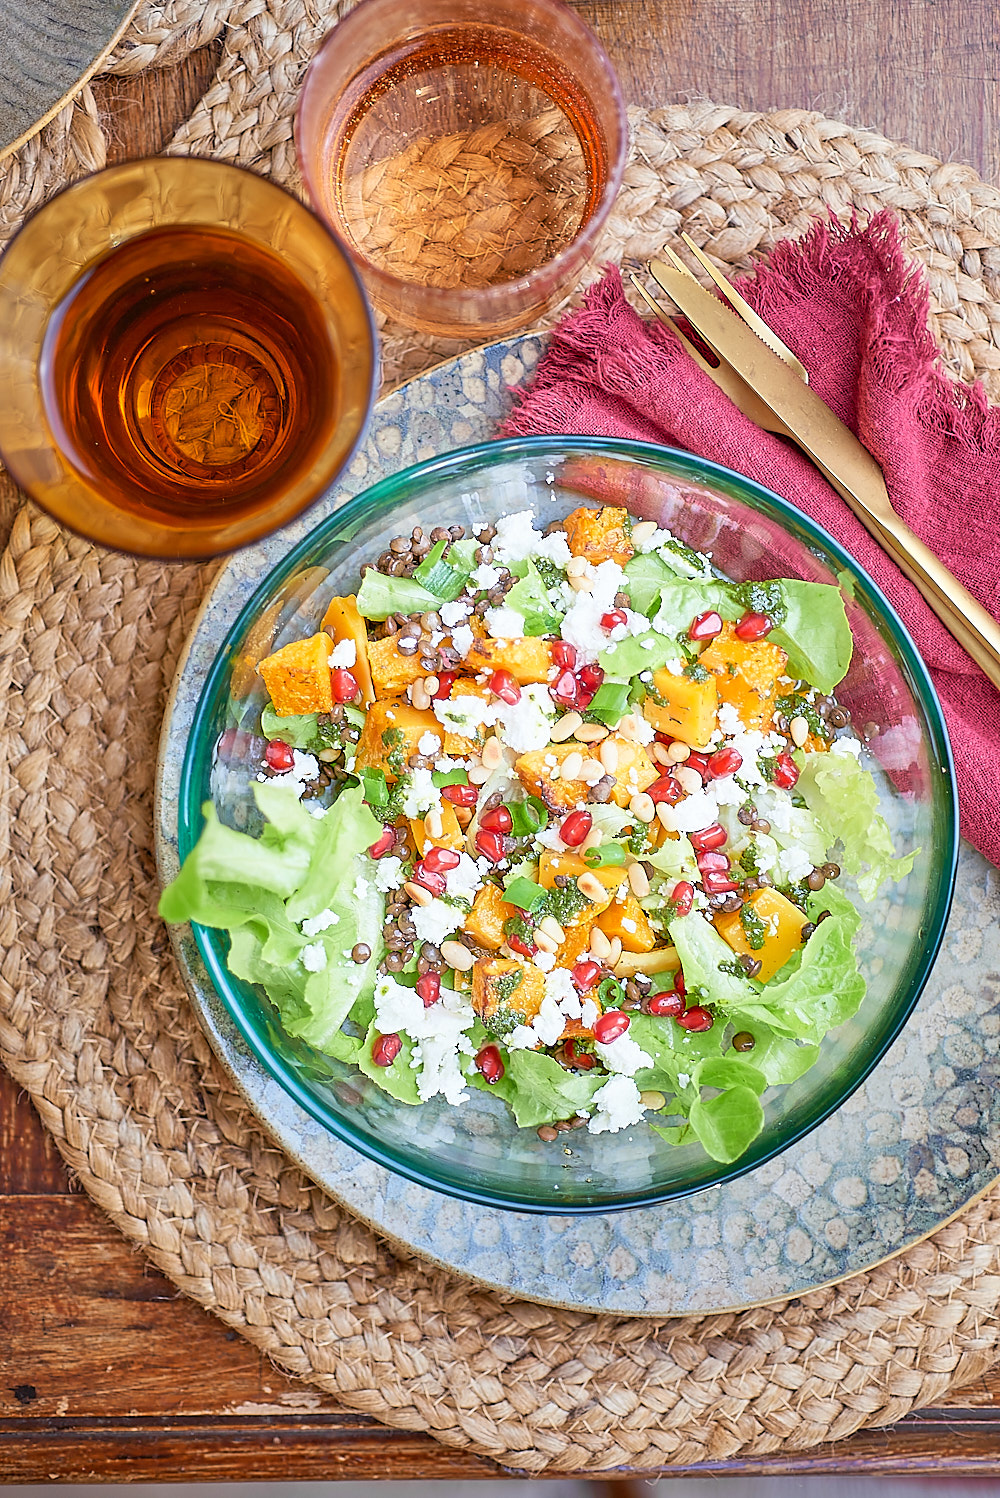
(343, 684)
(278, 755)
(503, 685)
(575, 828)
(385, 1049)
(754, 626)
(699, 762)
(490, 845)
(429, 878)
(490, 1064)
(564, 654)
(695, 1018)
(682, 898)
(446, 680)
(440, 860)
(711, 860)
(584, 697)
(664, 738)
(612, 1023)
(586, 974)
(679, 985)
(665, 789)
(724, 762)
(461, 795)
(612, 620)
(525, 948)
(582, 1059)
(590, 677)
(717, 882)
(429, 988)
(497, 820)
(786, 771)
(382, 845)
(705, 626)
(671, 1004)
(708, 837)
(563, 690)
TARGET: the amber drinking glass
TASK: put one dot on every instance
(187, 354)
(468, 154)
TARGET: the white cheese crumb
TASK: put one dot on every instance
(465, 714)
(438, 1034)
(428, 743)
(504, 623)
(344, 653)
(623, 1055)
(527, 723)
(617, 1104)
(313, 957)
(485, 577)
(454, 613)
(387, 873)
(314, 924)
(436, 922)
(462, 638)
(463, 882)
(421, 794)
(305, 767)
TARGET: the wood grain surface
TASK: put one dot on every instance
(106, 1373)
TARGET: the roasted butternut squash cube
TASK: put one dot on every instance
(600, 535)
(782, 924)
(577, 940)
(527, 659)
(343, 622)
(392, 732)
(460, 743)
(506, 993)
(612, 876)
(451, 835)
(746, 675)
(297, 677)
(626, 919)
(484, 923)
(635, 771)
(391, 671)
(689, 713)
(539, 773)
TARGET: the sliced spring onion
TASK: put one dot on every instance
(525, 894)
(610, 993)
(604, 855)
(611, 701)
(441, 778)
(376, 788)
(528, 817)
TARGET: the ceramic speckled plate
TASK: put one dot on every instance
(908, 1150)
(48, 51)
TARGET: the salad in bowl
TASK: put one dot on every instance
(560, 808)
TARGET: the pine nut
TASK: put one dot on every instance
(543, 941)
(638, 882)
(576, 566)
(678, 752)
(479, 774)
(420, 697)
(616, 951)
(417, 893)
(457, 955)
(666, 816)
(654, 1100)
(552, 928)
(798, 728)
(628, 728)
(591, 886)
(594, 839)
(642, 531)
(599, 944)
(565, 728)
(581, 584)
(591, 733)
(492, 754)
(571, 766)
(434, 823)
(643, 807)
(592, 771)
(689, 780)
(608, 755)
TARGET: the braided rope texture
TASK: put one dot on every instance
(94, 1022)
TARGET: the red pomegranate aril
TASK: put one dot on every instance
(429, 878)
(382, 845)
(385, 1049)
(278, 756)
(712, 860)
(590, 676)
(705, 626)
(497, 820)
(446, 680)
(429, 988)
(696, 1018)
(584, 697)
(754, 626)
(440, 860)
(786, 771)
(724, 762)
(503, 685)
(669, 1004)
(343, 684)
(461, 795)
(585, 974)
(708, 837)
(563, 654)
(665, 789)
(698, 761)
(612, 1024)
(523, 948)
(575, 828)
(717, 882)
(490, 845)
(679, 985)
(564, 689)
(490, 1064)
(682, 897)
(613, 619)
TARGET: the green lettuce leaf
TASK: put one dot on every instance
(538, 1089)
(380, 596)
(531, 599)
(400, 1079)
(623, 659)
(728, 1123)
(815, 633)
(705, 960)
(301, 730)
(843, 797)
(683, 599)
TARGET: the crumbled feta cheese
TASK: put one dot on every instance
(305, 768)
(361, 887)
(582, 624)
(485, 577)
(314, 924)
(436, 922)
(313, 957)
(588, 1013)
(695, 812)
(617, 1104)
(344, 653)
(463, 881)
(527, 722)
(504, 623)
(559, 987)
(675, 667)
(792, 864)
(544, 960)
(387, 873)
(464, 714)
(438, 1035)
(516, 539)
(521, 1038)
(462, 638)
(421, 794)
(623, 1055)
(429, 743)
(848, 745)
(454, 613)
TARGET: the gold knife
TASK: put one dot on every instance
(834, 449)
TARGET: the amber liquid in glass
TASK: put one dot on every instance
(470, 157)
(188, 372)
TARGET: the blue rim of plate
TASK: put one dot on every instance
(353, 513)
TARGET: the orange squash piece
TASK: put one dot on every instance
(392, 672)
(600, 535)
(626, 919)
(343, 622)
(297, 677)
(746, 675)
(501, 1011)
(451, 836)
(635, 771)
(689, 710)
(391, 733)
(484, 923)
(783, 924)
(527, 659)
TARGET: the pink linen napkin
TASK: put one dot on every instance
(856, 313)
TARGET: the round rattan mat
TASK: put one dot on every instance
(93, 1019)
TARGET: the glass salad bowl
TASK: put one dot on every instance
(475, 1152)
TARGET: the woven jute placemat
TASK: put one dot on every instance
(94, 1022)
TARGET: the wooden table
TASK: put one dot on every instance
(105, 1371)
